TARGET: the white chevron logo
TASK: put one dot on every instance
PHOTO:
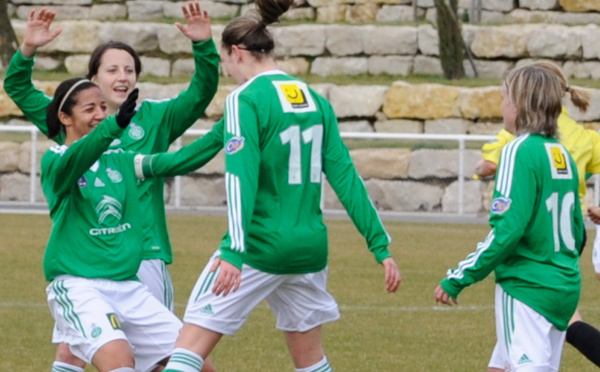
(109, 206)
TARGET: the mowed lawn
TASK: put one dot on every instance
(405, 331)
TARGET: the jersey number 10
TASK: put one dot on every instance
(562, 225)
(292, 136)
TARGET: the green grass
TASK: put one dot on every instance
(380, 332)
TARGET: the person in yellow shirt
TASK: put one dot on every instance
(584, 146)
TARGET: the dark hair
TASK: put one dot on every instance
(97, 54)
(251, 32)
(55, 126)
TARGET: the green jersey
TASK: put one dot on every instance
(537, 230)
(154, 127)
(94, 206)
(280, 136)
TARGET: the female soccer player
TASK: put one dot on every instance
(106, 316)
(537, 229)
(584, 146)
(279, 138)
(115, 67)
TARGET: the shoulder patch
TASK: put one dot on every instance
(500, 205)
(234, 145)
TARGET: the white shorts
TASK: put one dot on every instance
(596, 251)
(89, 313)
(155, 275)
(300, 302)
(526, 341)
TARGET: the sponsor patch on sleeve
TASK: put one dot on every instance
(234, 145)
(500, 205)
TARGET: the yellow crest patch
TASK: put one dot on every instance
(560, 162)
(293, 94)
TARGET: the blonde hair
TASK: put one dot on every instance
(537, 93)
(580, 98)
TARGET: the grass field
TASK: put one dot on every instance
(405, 331)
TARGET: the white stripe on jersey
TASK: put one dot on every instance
(233, 119)
(505, 175)
(472, 258)
(59, 149)
(234, 212)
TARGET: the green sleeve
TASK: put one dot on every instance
(183, 111)
(242, 162)
(508, 227)
(81, 155)
(30, 100)
(350, 189)
(186, 160)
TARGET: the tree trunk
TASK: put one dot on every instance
(8, 40)
(452, 52)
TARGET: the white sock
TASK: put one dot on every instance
(322, 366)
(65, 367)
(183, 360)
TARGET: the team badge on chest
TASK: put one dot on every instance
(114, 175)
(136, 132)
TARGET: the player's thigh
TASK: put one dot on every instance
(155, 275)
(302, 302)
(527, 340)
(82, 315)
(227, 314)
(150, 327)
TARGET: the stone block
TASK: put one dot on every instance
(386, 40)
(428, 40)
(302, 40)
(156, 66)
(104, 12)
(77, 64)
(580, 5)
(423, 101)
(327, 66)
(9, 156)
(361, 13)
(342, 40)
(398, 13)
(140, 10)
(361, 126)
(404, 196)
(381, 163)
(356, 100)
(555, 41)
(294, 66)
(428, 163)
(424, 65)
(399, 126)
(477, 103)
(203, 192)
(447, 126)
(331, 14)
(141, 36)
(472, 197)
(539, 4)
(391, 65)
(25, 155)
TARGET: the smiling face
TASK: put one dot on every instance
(88, 111)
(116, 77)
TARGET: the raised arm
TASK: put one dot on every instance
(181, 112)
(17, 83)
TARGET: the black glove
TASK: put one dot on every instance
(127, 109)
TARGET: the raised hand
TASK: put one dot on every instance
(127, 109)
(198, 23)
(37, 31)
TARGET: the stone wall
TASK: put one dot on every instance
(327, 11)
(327, 50)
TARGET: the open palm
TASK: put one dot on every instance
(37, 32)
(198, 23)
